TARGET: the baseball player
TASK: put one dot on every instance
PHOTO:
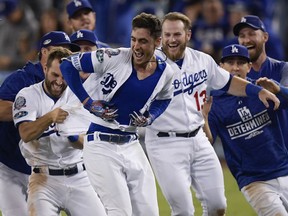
(134, 88)
(252, 33)
(180, 153)
(82, 16)
(252, 139)
(59, 180)
(13, 194)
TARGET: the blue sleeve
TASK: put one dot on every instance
(71, 74)
(283, 97)
(158, 107)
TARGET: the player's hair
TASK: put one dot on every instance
(57, 53)
(174, 16)
(148, 21)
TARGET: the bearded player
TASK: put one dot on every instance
(178, 149)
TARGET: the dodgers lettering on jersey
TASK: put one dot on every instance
(189, 82)
(250, 125)
(198, 71)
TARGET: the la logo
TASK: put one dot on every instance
(79, 34)
(234, 49)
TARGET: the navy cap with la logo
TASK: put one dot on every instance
(249, 21)
(76, 5)
(84, 35)
(235, 50)
(58, 38)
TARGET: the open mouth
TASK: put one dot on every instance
(138, 55)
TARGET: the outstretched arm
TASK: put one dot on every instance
(241, 87)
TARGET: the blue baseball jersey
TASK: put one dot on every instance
(251, 135)
(278, 71)
(10, 154)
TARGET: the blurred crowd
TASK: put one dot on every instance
(24, 22)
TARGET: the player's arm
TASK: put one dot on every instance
(31, 130)
(70, 68)
(6, 110)
(205, 112)
(241, 87)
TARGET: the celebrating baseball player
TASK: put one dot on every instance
(252, 33)
(134, 88)
(59, 180)
(177, 147)
(13, 194)
(252, 138)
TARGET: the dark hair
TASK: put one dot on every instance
(57, 53)
(148, 21)
(173, 16)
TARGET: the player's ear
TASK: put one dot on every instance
(158, 42)
(188, 35)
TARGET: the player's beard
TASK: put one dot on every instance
(55, 90)
(255, 53)
(176, 54)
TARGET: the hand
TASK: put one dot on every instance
(265, 95)
(206, 107)
(268, 84)
(58, 115)
(102, 109)
(139, 120)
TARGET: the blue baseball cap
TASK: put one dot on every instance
(249, 21)
(77, 5)
(235, 50)
(58, 38)
(84, 35)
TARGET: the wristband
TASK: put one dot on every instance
(252, 90)
(283, 92)
(73, 138)
(88, 104)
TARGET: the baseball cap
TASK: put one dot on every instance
(84, 35)
(249, 21)
(77, 5)
(57, 38)
(235, 50)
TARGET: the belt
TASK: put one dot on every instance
(186, 135)
(59, 172)
(114, 138)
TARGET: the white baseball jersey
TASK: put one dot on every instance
(198, 71)
(51, 148)
(192, 160)
(109, 75)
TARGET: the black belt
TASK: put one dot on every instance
(113, 138)
(60, 172)
(187, 135)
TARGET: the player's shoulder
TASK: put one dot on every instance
(32, 90)
(196, 54)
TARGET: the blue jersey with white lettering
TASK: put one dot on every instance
(251, 135)
(278, 71)
(10, 154)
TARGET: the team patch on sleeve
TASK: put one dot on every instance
(20, 114)
(112, 52)
(100, 55)
(19, 103)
